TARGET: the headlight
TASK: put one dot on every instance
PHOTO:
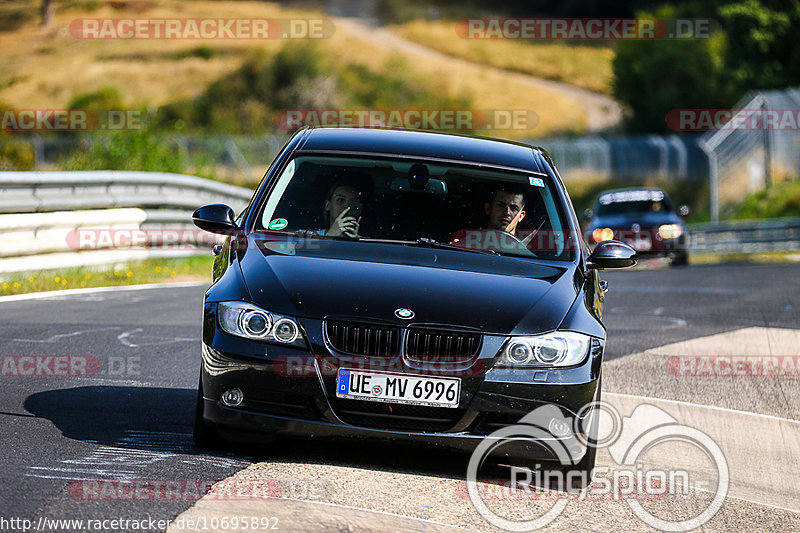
(670, 231)
(246, 320)
(560, 348)
(602, 234)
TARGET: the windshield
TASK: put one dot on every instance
(628, 202)
(420, 203)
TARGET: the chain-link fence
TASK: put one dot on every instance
(760, 144)
(739, 161)
(635, 159)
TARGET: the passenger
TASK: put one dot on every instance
(342, 198)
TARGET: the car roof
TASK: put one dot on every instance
(424, 144)
(632, 194)
(631, 189)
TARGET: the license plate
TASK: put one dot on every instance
(641, 243)
(398, 388)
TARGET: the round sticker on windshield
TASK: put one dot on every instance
(278, 223)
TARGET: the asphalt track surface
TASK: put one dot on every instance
(131, 419)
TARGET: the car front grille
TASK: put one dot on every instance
(441, 346)
(384, 415)
(363, 339)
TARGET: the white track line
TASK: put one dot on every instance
(714, 407)
(89, 290)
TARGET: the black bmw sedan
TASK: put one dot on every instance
(402, 285)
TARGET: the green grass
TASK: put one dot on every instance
(588, 67)
(194, 268)
(779, 200)
(760, 257)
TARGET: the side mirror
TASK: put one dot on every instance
(216, 218)
(612, 254)
(683, 210)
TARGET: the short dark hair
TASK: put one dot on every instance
(342, 183)
(510, 188)
(356, 179)
(344, 179)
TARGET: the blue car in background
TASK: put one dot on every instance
(645, 219)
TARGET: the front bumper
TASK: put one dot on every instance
(647, 242)
(291, 392)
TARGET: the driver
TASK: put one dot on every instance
(505, 210)
(342, 197)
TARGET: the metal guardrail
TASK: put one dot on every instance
(27, 192)
(39, 218)
(747, 236)
(44, 215)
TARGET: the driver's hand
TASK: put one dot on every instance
(344, 226)
(512, 226)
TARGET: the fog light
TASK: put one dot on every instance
(232, 398)
(559, 428)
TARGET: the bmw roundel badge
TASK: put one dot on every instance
(405, 314)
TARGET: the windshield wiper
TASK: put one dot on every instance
(433, 243)
(425, 242)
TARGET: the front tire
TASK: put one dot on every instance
(680, 259)
(204, 434)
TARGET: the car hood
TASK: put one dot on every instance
(645, 220)
(315, 286)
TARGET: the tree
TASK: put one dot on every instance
(764, 53)
(653, 77)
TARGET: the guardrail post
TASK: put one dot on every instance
(767, 144)
(713, 180)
